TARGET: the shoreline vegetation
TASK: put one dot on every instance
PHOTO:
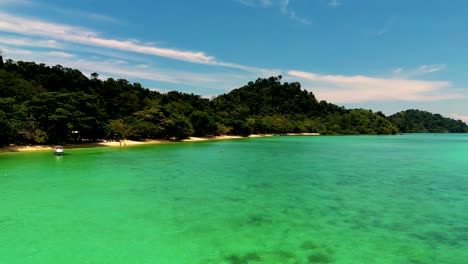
(129, 143)
(42, 105)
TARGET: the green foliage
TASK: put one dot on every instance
(119, 129)
(7, 119)
(42, 104)
(356, 121)
(417, 121)
(203, 124)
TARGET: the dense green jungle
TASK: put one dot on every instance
(40, 104)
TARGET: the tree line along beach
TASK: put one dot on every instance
(43, 105)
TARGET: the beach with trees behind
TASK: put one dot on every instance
(42, 105)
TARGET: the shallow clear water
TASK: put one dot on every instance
(356, 199)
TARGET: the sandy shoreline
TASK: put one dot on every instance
(125, 143)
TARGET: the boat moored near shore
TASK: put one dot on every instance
(58, 150)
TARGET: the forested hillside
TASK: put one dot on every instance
(416, 121)
(44, 105)
(269, 106)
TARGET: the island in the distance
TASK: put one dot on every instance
(50, 105)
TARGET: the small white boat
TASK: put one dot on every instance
(58, 150)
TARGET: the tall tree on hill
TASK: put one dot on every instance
(1, 59)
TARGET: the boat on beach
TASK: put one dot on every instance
(58, 150)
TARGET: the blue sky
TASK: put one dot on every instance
(382, 55)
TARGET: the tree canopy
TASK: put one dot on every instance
(417, 121)
(40, 104)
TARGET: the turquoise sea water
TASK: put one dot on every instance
(351, 199)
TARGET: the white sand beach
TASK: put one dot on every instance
(127, 143)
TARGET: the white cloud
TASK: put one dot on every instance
(115, 68)
(352, 89)
(151, 74)
(60, 54)
(29, 42)
(120, 62)
(286, 10)
(403, 73)
(77, 35)
(259, 71)
(96, 52)
(122, 69)
(34, 27)
(431, 68)
(16, 52)
(130, 71)
(463, 118)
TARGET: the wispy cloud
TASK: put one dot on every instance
(29, 42)
(283, 5)
(286, 10)
(64, 11)
(401, 72)
(60, 54)
(83, 14)
(352, 89)
(13, 52)
(463, 118)
(63, 44)
(34, 27)
(153, 74)
(213, 82)
(334, 3)
(14, 2)
(388, 25)
(86, 50)
(116, 68)
(78, 35)
(256, 3)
